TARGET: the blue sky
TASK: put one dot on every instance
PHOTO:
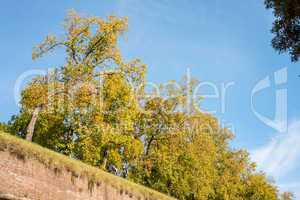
(221, 42)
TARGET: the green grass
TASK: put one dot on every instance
(26, 150)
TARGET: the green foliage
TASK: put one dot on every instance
(94, 108)
(259, 189)
(286, 27)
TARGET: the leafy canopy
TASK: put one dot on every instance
(286, 26)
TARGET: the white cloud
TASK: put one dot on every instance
(281, 156)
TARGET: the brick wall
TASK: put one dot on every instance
(29, 179)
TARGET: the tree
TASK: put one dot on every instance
(286, 26)
(34, 98)
(89, 99)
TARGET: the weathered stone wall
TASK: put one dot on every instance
(29, 179)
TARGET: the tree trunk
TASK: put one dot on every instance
(105, 156)
(30, 128)
(149, 144)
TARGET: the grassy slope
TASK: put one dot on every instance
(27, 150)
